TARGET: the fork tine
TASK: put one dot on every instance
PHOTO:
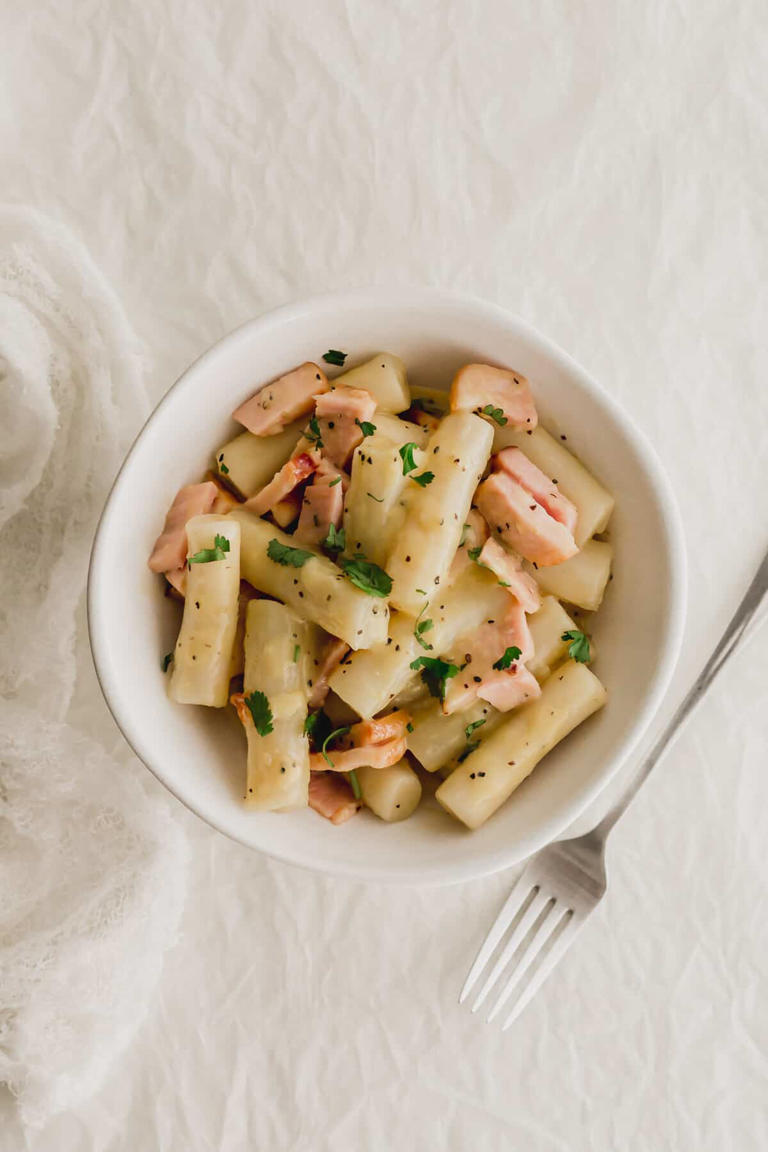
(544, 930)
(561, 944)
(521, 930)
(511, 907)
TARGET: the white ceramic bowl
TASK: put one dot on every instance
(199, 753)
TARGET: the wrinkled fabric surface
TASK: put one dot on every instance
(600, 169)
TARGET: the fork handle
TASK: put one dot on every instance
(728, 644)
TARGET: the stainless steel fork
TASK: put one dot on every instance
(563, 884)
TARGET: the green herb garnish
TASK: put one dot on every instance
(578, 649)
(421, 592)
(496, 414)
(333, 356)
(223, 468)
(367, 576)
(352, 777)
(335, 541)
(423, 626)
(333, 483)
(474, 553)
(258, 706)
(409, 727)
(470, 728)
(166, 660)
(326, 742)
(507, 660)
(365, 427)
(206, 555)
(435, 673)
(378, 499)
(312, 433)
(284, 554)
(296, 653)
(317, 726)
(406, 455)
(424, 478)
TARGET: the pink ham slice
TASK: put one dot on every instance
(522, 523)
(322, 505)
(508, 568)
(477, 385)
(369, 756)
(332, 797)
(379, 730)
(516, 464)
(478, 653)
(287, 510)
(506, 690)
(337, 413)
(170, 550)
(294, 472)
(277, 404)
(333, 654)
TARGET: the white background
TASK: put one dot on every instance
(600, 168)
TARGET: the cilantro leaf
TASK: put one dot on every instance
(312, 433)
(406, 455)
(579, 647)
(167, 660)
(506, 661)
(206, 555)
(435, 673)
(326, 742)
(258, 706)
(424, 478)
(335, 541)
(283, 554)
(223, 468)
(352, 777)
(333, 356)
(367, 576)
(317, 726)
(365, 427)
(496, 414)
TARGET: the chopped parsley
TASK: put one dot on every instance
(284, 554)
(317, 726)
(423, 626)
(166, 660)
(424, 478)
(367, 576)
(378, 499)
(507, 660)
(352, 777)
(474, 553)
(333, 483)
(435, 673)
(223, 468)
(335, 541)
(296, 653)
(470, 728)
(326, 742)
(313, 434)
(333, 356)
(409, 727)
(496, 414)
(578, 649)
(421, 592)
(365, 427)
(258, 706)
(406, 455)
(206, 555)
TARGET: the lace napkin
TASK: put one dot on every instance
(92, 871)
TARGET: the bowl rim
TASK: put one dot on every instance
(549, 828)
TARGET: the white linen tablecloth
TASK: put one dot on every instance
(601, 169)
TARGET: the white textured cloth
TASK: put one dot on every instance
(91, 871)
(599, 168)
